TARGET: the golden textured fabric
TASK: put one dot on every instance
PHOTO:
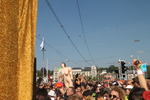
(17, 43)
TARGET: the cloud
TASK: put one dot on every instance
(140, 51)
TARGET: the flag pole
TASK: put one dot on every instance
(43, 61)
(43, 50)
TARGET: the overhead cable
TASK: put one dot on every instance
(84, 32)
(64, 30)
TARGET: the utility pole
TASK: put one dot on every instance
(43, 50)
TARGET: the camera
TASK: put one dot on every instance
(136, 62)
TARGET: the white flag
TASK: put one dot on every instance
(42, 44)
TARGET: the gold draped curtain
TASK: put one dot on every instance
(17, 48)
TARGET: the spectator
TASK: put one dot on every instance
(42, 94)
(99, 96)
(136, 93)
(79, 92)
(128, 89)
(117, 93)
(106, 93)
(142, 82)
(74, 97)
(77, 82)
(148, 84)
(52, 94)
(87, 95)
(70, 92)
(62, 98)
(83, 88)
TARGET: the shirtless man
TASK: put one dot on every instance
(66, 74)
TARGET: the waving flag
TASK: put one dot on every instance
(42, 44)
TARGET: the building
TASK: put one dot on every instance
(87, 71)
(82, 71)
(76, 71)
(93, 71)
(55, 75)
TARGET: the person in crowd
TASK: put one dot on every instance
(148, 83)
(135, 89)
(98, 88)
(106, 93)
(136, 94)
(79, 92)
(74, 97)
(87, 95)
(40, 86)
(135, 82)
(99, 96)
(77, 82)
(58, 93)
(142, 81)
(128, 89)
(42, 94)
(62, 98)
(66, 74)
(83, 88)
(140, 85)
(124, 85)
(70, 92)
(93, 90)
(52, 94)
(117, 93)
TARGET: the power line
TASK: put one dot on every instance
(84, 32)
(64, 30)
(58, 51)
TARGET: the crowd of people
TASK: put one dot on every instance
(135, 89)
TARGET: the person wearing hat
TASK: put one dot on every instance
(52, 94)
(128, 89)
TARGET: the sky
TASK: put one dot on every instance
(112, 30)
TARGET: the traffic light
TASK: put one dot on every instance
(123, 67)
(116, 71)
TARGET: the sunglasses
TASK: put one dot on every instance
(114, 96)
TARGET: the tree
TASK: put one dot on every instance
(43, 70)
(39, 73)
(112, 68)
(50, 72)
(100, 69)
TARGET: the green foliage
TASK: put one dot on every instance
(112, 68)
(50, 72)
(40, 73)
(109, 69)
(88, 78)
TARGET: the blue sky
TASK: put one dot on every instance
(110, 28)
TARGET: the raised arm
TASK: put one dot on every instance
(136, 63)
